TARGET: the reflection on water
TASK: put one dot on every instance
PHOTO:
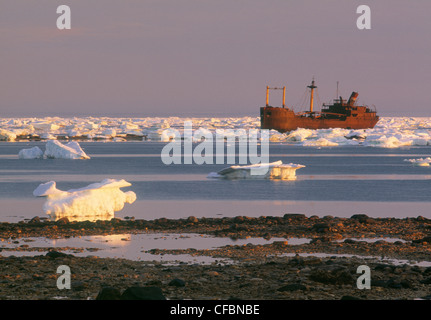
(135, 246)
(81, 218)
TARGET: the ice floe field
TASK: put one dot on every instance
(380, 172)
(388, 133)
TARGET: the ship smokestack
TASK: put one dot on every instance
(352, 98)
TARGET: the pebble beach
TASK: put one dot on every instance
(397, 251)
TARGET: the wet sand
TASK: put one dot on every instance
(323, 268)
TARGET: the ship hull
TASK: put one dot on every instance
(284, 120)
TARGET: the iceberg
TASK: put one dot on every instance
(274, 170)
(385, 142)
(96, 200)
(71, 150)
(45, 126)
(31, 153)
(299, 135)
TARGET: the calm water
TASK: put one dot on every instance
(339, 181)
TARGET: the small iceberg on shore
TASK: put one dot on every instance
(274, 170)
(100, 199)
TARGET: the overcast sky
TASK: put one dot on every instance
(210, 58)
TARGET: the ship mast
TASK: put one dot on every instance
(312, 87)
(267, 95)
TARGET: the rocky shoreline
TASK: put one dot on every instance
(323, 267)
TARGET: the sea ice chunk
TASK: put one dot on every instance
(71, 150)
(275, 170)
(31, 153)
(100, 199)
(321, 142)
(420, 162)
(6, 135)
(299, 134)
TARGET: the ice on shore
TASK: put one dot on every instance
(274, 170)
(96, 200)
(31, 153)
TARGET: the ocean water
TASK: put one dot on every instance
(339, 181)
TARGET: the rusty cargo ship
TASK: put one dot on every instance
(340, 114)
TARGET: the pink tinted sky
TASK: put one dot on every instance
(210, 58)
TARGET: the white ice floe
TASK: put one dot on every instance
(31, 153)
(274, 170)
(6, 135)
(57, 150)
(422, 162)
(101, 199)
(321, 142)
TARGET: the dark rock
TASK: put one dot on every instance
(192, 219)
(337, 275)
(320, 240)
(143, 293)
(292, 287)
(362, 218)
(115, 220)
(350, 298)
(108, 293)
(379, 283)
(392, 283)
(359, 216)
(177, 283)
(35, 220)
(79, 285)
(55, 254)
(425, 239)
(63, 220)
(384, 267)
(294, 216)
(321, 227)
(350, 241)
